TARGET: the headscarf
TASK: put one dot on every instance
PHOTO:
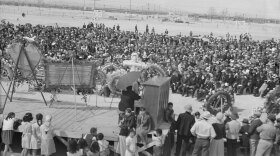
(47, 125)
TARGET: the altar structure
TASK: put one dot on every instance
(155, 99)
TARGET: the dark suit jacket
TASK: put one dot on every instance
(184, 124)
(127, 100)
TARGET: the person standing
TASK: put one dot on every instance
(267, 136)
(158, 138)
(35, 144)
(253, 134)
(127, 99)
(26, 134)
(47, 144)
(94, 149)
(8, 132)
(232, 134)
(277, 140)
(103, 145)
(217, 144)
(91, 136)
(126, 125)
(131, 141)
(169, 115)
(203, 131)
(184, 124)
(144, 124)
(244, 132)
(73, 149)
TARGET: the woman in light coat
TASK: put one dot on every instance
(47, 134)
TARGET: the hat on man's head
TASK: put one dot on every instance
(257, 113)
(188, 108)
(271, 117)
(234, 116)
(245, 121)
(206, 115)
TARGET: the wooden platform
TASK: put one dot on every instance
(65, 120)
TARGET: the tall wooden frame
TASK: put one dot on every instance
(24, 53)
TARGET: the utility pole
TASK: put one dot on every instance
(94, 5)
(84, 6)
(130, 6)
(130, 9)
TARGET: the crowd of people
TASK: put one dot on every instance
(197, 134)
(38, 137)
(196, 64)
(220, 135)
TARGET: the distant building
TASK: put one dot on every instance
(98, 13)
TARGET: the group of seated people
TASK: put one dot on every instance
(195, 83)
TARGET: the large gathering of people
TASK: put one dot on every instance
(197, 66)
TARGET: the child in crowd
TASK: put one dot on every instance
(103, 145)
(8, 132)
(158, 138)
(26, 134)
(197, 116)
(35, 144)
(73, 149)
(94, 149)
(244, 132)
(83, 146)
(47, 134)
(169, 113)
(131, 141)
(91, 136)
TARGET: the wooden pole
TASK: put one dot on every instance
(13, 79)
(221, 105)
(5, 90)
(74, 86)
(34, 76)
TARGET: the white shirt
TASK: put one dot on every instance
(131, 143)
(103, 145)
(159, 141)
(232, 129)
(202, 129)
(74, 154)
(8, 124)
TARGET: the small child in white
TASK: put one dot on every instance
(158, 138)
(103, 145)
(130, 142)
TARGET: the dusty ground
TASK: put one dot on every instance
(64, 17)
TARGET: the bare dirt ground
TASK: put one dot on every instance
(63, 17)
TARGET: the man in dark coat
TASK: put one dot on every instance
(127, 99)
(184, 124)
(175, 81)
